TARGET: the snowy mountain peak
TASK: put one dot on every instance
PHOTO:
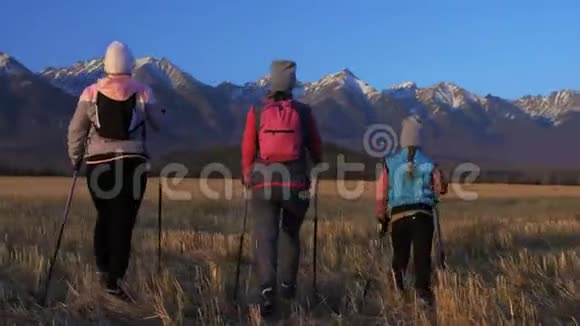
(165, 71)
(450, 94)
(261, 85)
(148, 60)
(344, 79)
(4, 58)
(447, 86)
(145, 60)
(552, 106)
(346, 73)
(264, 81)
(80, 67)
(341, 75)
(75, 78)
(404, 85)
(94, 66)
(566, 97)
(11, 66)
(404, 90)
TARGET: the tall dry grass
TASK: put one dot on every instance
(513, 258)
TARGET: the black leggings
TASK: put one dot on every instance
(117, 190)
(415, 230)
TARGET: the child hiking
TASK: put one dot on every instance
(277, 139)
(108, 129)
(407, 191)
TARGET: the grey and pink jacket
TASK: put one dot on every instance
(82, 136)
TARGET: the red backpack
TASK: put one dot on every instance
(281, 136)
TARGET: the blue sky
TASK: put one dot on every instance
(503, 47)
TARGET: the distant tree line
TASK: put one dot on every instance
(30, 172)
(365, 167)
(335, 155)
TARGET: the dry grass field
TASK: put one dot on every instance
(513, 255)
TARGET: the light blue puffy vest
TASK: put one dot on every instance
(405, 189)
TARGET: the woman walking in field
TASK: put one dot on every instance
(277, 139)
(108, 129)
(407, 191)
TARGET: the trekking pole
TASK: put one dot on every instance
(241, 247)
(382, 233)
(323, 299)
(315, 239)
(61, 232)
(439, 249)
(159, 224)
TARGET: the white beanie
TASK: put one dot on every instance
(411, 132)
(118, 59)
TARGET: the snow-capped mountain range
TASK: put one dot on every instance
(74, 78)
(344, 104)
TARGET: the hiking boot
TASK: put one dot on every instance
(114, 288)
(425, 298)
(119, 294)
(102, 278)
(267, 301)
(399, 281)
(287, 291)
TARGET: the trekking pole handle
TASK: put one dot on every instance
(384, 229)
(315, 238)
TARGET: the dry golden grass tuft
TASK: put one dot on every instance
(513, 254)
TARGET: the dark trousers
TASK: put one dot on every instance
(415, 231)
(117, 190)
(273, 212)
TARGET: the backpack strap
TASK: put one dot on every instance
(257, 115)
(137, 103)
(95, 101)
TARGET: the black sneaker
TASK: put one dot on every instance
(287, 291)
(267, 301)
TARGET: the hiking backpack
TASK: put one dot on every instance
(281, 131)
(116, 119)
